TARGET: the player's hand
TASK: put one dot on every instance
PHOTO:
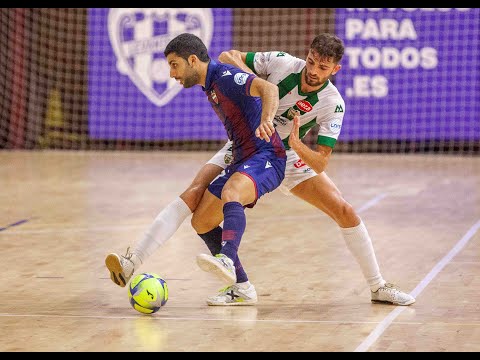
(294, 137)
(265, 130)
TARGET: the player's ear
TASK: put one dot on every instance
(192, 59)
(336, 69)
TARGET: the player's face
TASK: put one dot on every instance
(182, 71)
(318, 70)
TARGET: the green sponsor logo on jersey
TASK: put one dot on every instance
(339, 108)
(281, 54)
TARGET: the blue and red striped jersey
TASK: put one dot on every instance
(228, 90)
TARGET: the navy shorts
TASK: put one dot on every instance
(265, 169)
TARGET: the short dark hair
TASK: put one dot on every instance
(328, 45)
(187, 44)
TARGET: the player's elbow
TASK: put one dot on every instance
(271, 91)
(226, 56)
(275, 90)
(223, 56)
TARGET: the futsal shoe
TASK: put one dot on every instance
(390, 294)
(234, 295)
(220, 265)
(121, 268)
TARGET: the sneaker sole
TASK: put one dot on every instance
(204, 262)
(238, 303)
(392, 303)
(113, 265)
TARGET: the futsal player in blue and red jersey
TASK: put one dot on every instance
(246, 105)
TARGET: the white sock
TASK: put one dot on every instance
(360, 245)
(163, 227)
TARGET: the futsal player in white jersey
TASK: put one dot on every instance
(307, 98)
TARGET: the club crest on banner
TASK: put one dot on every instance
(139, 36)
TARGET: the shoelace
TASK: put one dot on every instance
(392, 289)
(390, 286)
(128, 254)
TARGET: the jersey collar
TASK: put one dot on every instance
(212, 65)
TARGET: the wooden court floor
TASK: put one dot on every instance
(62, 212)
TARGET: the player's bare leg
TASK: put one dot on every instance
(237, 191)
(321, 192)
(167, 222)
(193, 194)
(207, 217)
(208, 213)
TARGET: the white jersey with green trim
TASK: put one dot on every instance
(324, 107)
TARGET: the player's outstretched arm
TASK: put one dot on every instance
(236, 58)
(268, 92)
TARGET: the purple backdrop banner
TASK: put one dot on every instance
(131, 96)
(410, 73)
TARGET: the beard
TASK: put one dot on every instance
(191, 79)
(313, 82)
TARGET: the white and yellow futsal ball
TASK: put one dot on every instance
(147, 293)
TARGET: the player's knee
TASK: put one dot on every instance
(193, 195)
(348, 211)
(229, 193)
(346, 215)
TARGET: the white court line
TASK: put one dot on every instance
(372, 202)
(159, 317)
(382, 326)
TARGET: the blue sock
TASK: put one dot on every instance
(241, 274)
(213, 240)
(234, 223)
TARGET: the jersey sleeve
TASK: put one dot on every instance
(330, 123)
(237, 82)
(264, 63)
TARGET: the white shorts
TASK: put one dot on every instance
(296, 171)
